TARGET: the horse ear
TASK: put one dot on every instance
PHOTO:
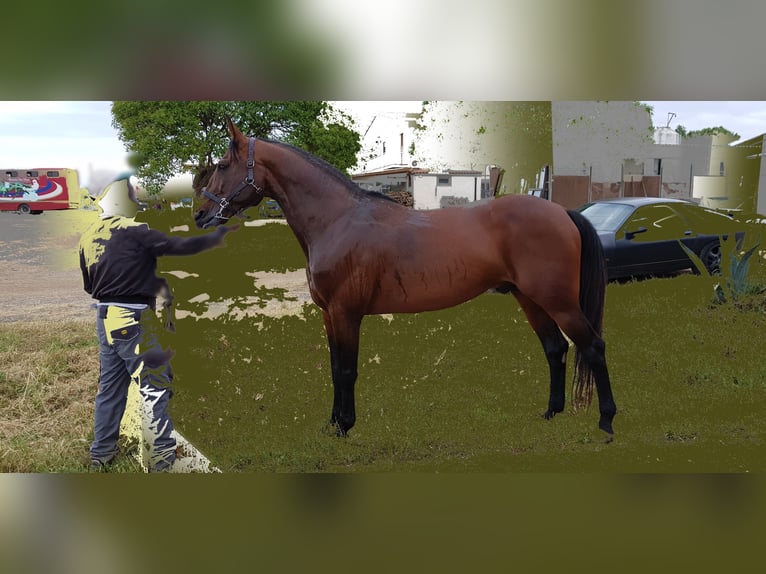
(233, 130)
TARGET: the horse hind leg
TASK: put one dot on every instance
(594, 356)
(590, 367)
(555, 347)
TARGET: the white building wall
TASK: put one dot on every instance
(761, 204)
(386, 134)
(599, 135)
(428, 194)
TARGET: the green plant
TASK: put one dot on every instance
(733, 279)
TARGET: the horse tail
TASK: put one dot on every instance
(593, 280)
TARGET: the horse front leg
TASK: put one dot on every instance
(555, 347)
(343, 339)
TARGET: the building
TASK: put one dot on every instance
(595, 150)
(605, 150)
(453, 187)
(388, 181)
(601, 150)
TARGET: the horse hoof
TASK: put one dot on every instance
(606, 427)
(332, 428)
(549, 414)
(608, 439)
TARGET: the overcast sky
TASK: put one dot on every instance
(80, 135)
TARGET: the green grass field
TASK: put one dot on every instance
(463, 390)
(458, 390)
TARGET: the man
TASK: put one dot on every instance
(118, 259)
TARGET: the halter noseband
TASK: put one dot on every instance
(223, 202)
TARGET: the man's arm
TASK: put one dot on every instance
(86, 283)
(166, 245)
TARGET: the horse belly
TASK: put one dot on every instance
(426, 292)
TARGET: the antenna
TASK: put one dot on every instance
(671, 115)
(375, 117)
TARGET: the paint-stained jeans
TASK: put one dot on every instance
(129, 352)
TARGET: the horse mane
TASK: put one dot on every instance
(327, 168)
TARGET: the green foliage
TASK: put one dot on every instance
(713, 131)
(733, 280)
(166, 136)
(719, 130)
(649, 110)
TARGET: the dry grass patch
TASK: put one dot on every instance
(48, 380)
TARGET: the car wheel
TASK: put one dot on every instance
(24, 209)
(711, 257)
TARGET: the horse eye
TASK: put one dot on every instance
(221, 165)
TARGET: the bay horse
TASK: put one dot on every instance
(367, 254)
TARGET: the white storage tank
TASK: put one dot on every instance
(666, 136)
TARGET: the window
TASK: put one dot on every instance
(721, 169)
(443, 180)
(661, 221)
(52, 173)
(606, 216)
(32, 173)
(12, 173)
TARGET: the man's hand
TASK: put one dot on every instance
(222, 230)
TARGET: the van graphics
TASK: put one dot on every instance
(30, 189)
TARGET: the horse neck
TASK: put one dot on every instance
(310, 198)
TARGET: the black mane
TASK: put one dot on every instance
(329, 169)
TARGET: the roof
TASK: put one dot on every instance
(391, 171)
(449, 172)
(638, 201)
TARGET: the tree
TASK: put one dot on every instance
(164, 138)
(720, 130)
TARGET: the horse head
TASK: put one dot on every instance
(236, 183)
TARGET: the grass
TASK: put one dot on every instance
(44, 397)
(458, 390)
(463, 389)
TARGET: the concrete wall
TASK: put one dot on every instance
(761, 195)
(596, 138)
(428, 193)
(607, 148)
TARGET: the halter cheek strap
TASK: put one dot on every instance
(223, 202)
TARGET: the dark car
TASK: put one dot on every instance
(641, 235)
(270, 208)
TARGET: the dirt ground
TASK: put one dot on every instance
(38, 281)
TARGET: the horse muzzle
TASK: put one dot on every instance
(205, 219)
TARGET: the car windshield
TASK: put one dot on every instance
(606, 216)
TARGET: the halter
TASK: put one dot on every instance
(223, 202)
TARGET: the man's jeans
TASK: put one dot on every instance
(130, 352)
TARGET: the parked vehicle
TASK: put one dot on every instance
(641, 235)
(36, 190)
(270, 208)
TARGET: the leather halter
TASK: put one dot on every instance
(224, 202)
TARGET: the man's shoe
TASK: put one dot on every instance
(97, 465)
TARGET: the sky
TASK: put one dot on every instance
(748, 119)
(79, 134)
(60, 134)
